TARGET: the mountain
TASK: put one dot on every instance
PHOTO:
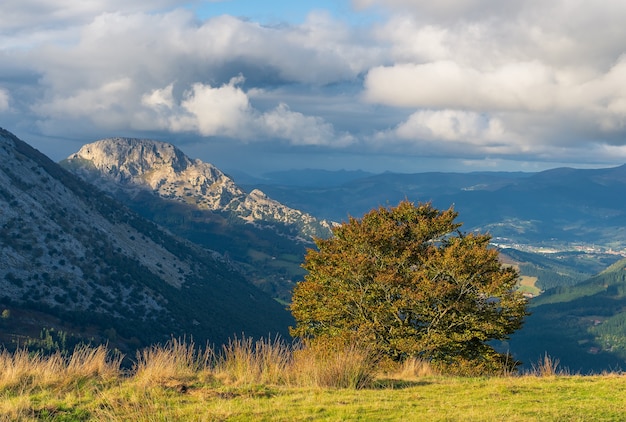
(197, 201)
(136, 165)
(356, 196)
(74, 259)
(584, 326)
(549, 208)
(314, 177)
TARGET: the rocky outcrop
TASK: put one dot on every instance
(135, 165)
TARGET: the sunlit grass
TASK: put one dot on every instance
(275, 381)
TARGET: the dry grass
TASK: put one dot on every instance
(326, 363)
(547, 367)
(274, 380)
(26, 371)
(413, 368)
(176, 361)
(244, 361)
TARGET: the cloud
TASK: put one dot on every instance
(451, 125)
(106, 106)
(169, 71)
(213, 111)
(226, 111)
(21, 15)
(550, 74)
(453, 133)
(528, 86)
(444, 10)
(283, 123)
(527, 80)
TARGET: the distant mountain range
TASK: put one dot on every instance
(74, 259)
(550, 208)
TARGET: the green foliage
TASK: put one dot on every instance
(408, 282)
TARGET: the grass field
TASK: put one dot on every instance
(527, 285)
(263, 381)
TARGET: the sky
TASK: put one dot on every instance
(377, 85)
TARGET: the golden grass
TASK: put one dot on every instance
(547, 367)
(333, 364)
(175, 361)
(244, 361)
(273, 380)
(412, 369)
(24, 370)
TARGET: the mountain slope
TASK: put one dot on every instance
(70, 252)
(582, 325)
(195, 200)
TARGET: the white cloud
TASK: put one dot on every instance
(226, 111)
(160, 98)
(552, 71)
(455, 133)
(214, 111)
(105, 106)
(528, 86)
(464, 77)
(20, 15)
(451, 125)
(283, 123)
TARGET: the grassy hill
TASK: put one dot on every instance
(583, 325)
(559, 268)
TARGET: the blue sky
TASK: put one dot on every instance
(279, 11)
(378, 85)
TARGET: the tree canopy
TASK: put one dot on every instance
(408, 282)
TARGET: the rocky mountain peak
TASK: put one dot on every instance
(125, 159)
(137, 165)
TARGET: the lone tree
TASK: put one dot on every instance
(408, 283)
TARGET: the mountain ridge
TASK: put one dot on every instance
(69, 251)
(552, 208)
(132, 164)
(264, 239)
